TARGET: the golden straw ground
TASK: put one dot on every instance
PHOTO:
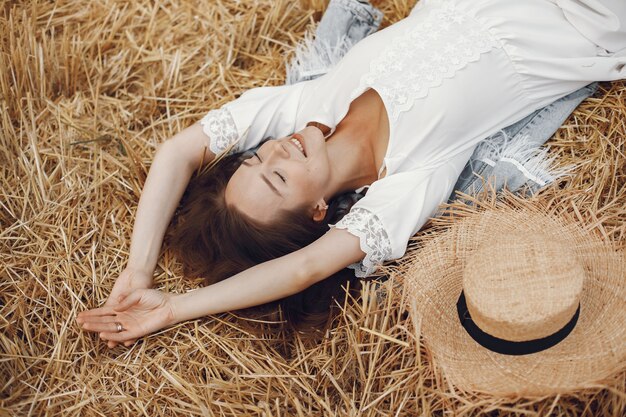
(87, 91)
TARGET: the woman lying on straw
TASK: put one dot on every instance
(400, 114)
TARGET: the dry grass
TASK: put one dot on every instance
(88, 90)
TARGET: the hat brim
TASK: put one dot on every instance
(593, 351)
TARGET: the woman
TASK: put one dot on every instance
(401, 114)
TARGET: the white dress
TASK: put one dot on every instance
(449, 74)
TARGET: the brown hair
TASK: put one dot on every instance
(215, 241)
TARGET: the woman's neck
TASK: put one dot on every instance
(358, 145)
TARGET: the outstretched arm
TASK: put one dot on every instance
(172, 167)
(146, 311)
(272, 280)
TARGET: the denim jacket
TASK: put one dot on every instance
(510, 158)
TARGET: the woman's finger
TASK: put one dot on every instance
(115, 336)
(102, 311)
(100, 327)
(101, 319)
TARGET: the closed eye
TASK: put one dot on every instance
(280, 176)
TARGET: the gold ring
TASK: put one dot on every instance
(119, 326)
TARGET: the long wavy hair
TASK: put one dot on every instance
(214, 241)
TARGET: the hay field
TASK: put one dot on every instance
(88, 90)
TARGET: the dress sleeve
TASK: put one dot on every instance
(257, 114)
(393, 210)
(603, 22)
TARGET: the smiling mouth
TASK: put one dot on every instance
(297, 140)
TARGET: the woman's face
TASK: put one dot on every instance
(280, 177)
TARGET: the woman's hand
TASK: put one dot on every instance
(142, 312)
(129, 280)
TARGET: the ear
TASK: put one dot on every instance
(319, 211)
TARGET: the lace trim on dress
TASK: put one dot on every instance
(373, 239)
(220, 127)
(400, 81)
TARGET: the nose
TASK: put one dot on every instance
(278, 150)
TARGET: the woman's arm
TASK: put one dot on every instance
(271, 280)
(174, 163)
(145, 311)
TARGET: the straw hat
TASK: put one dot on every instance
(517, 302)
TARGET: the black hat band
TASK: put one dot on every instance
(508, 347)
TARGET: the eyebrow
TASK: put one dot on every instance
(267, 181)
